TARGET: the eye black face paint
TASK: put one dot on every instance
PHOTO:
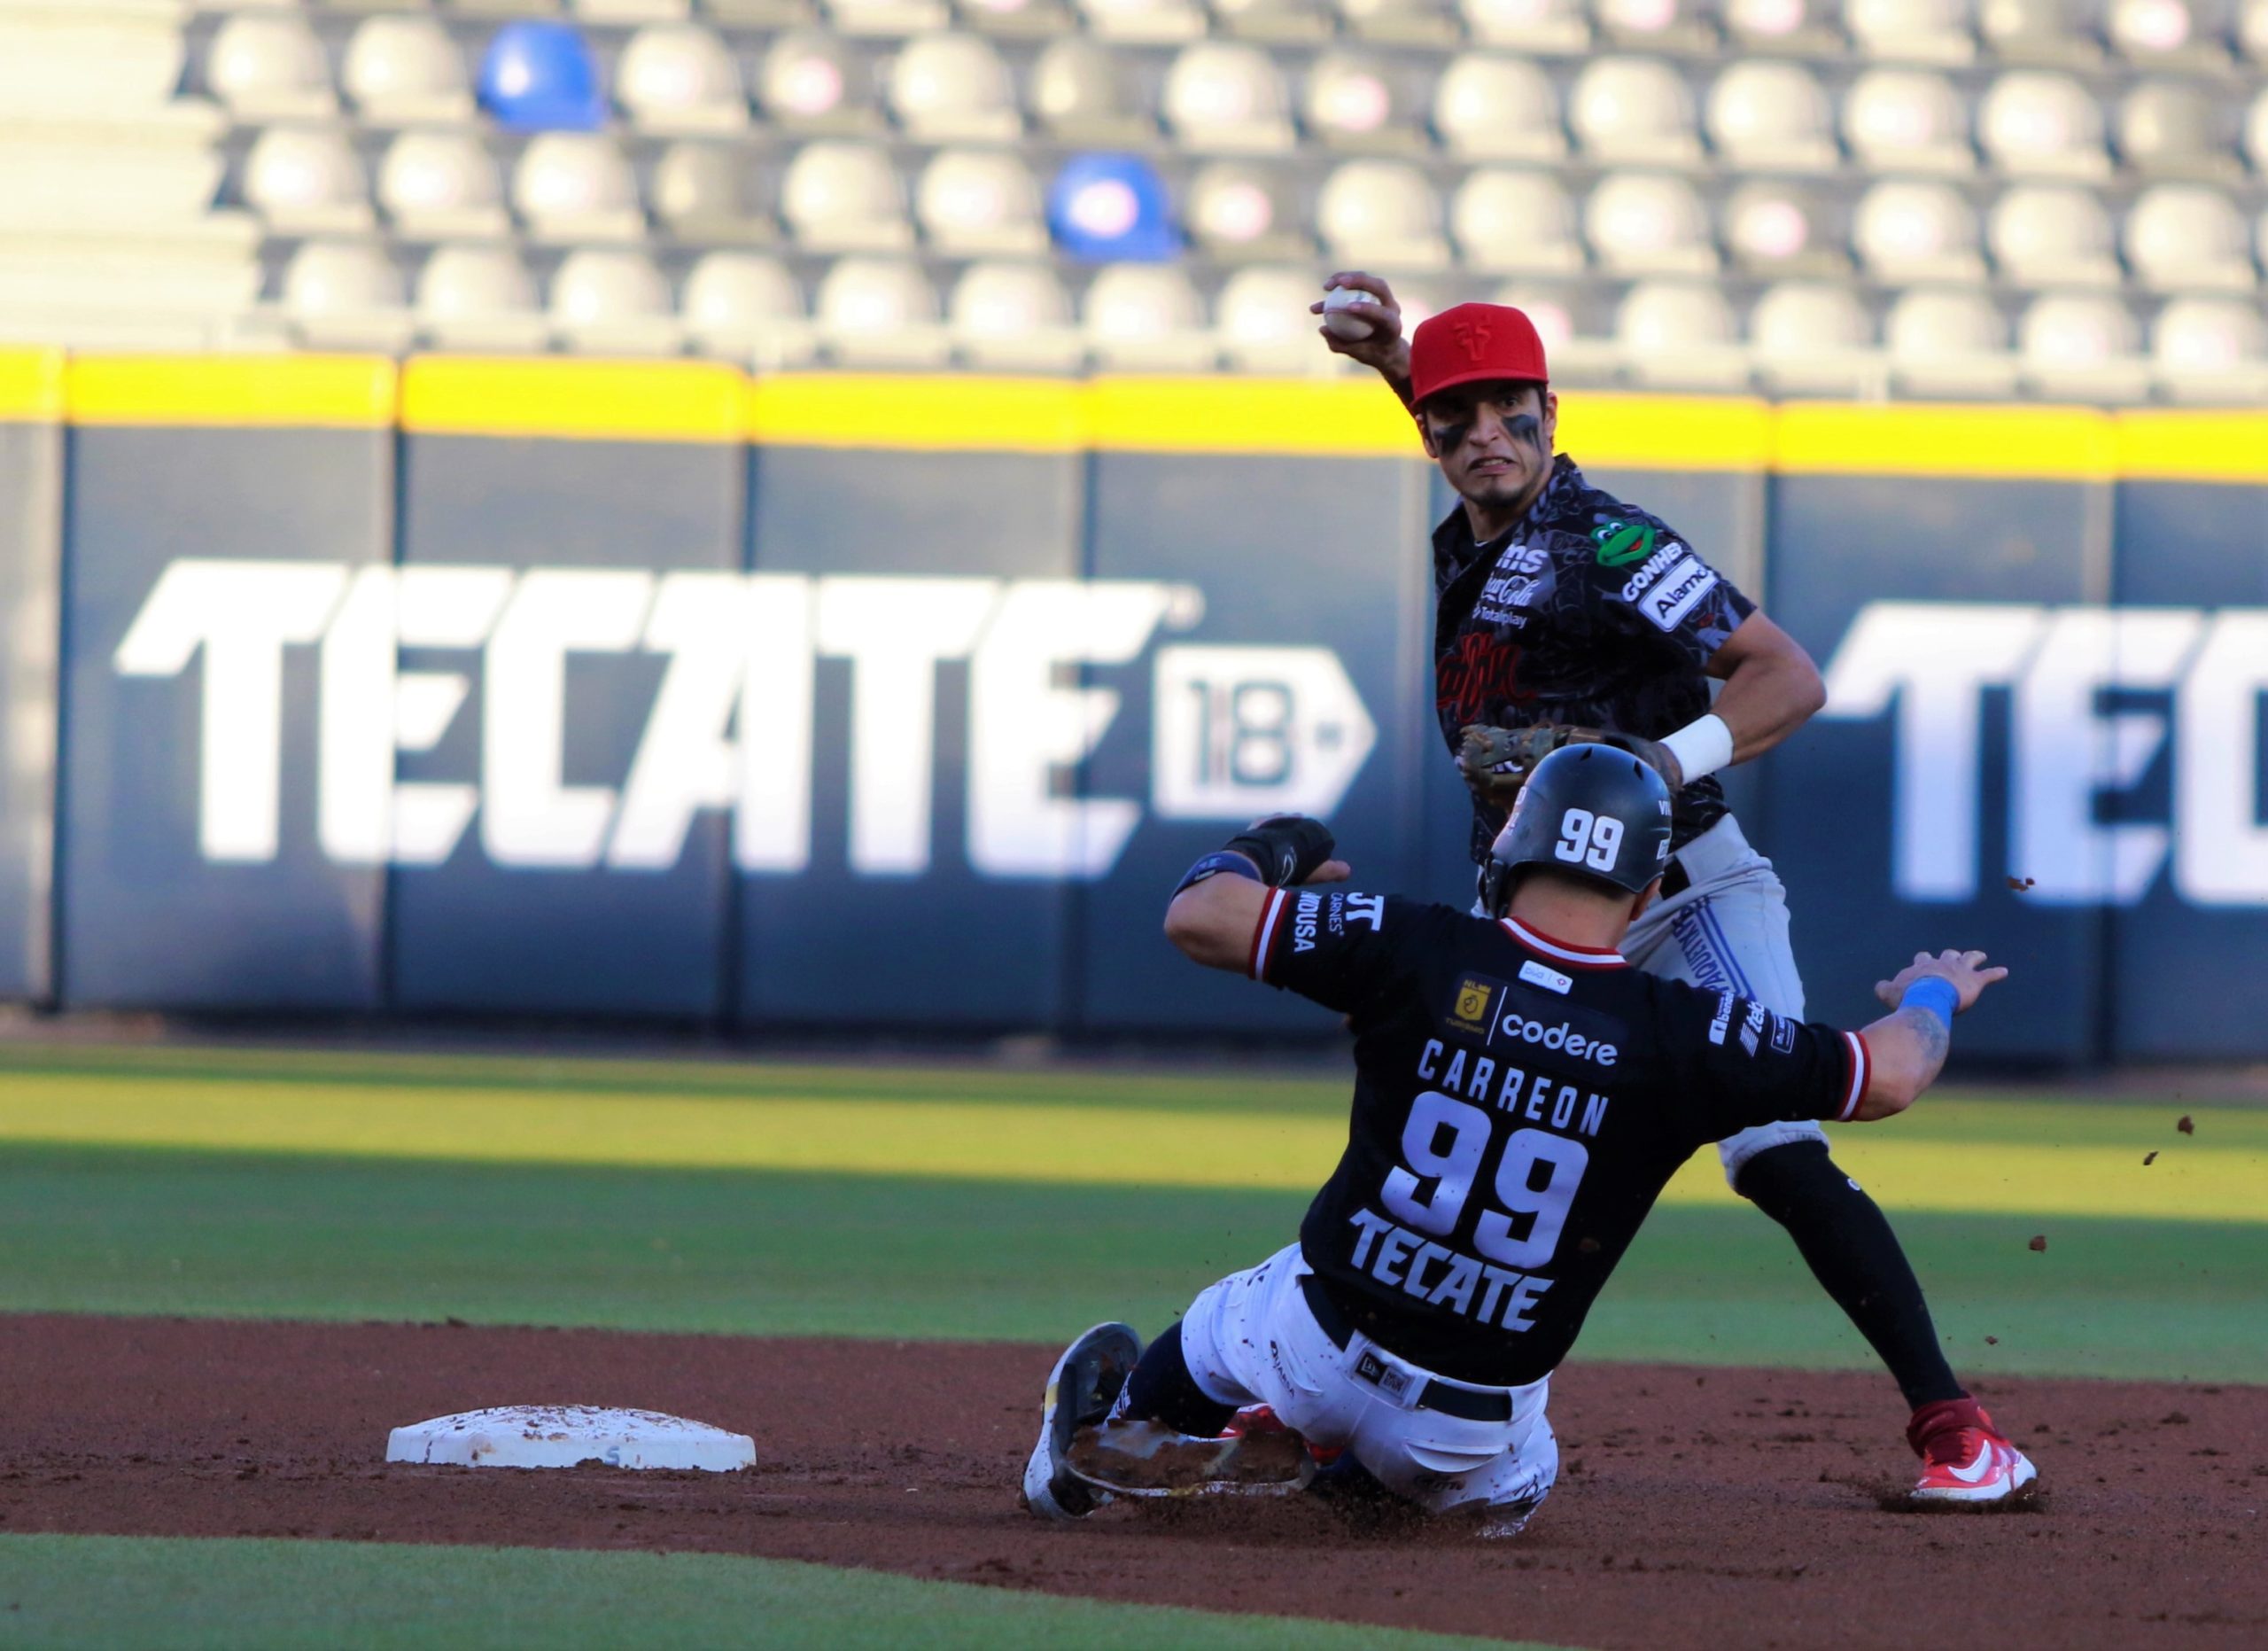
(1449, 434)
(1524, 428)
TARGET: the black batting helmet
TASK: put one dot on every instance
(1594, 810)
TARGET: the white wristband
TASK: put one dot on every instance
(1702, 746)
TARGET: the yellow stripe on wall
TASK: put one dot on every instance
(1356, 418)
(233, 391)
(31, 385)
(591, 400)
(932, 413)
(2053, 443)
(2179, 446)
(1665, 431)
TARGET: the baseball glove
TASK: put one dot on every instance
(1496, 762)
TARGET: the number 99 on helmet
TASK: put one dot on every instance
(1593, 811)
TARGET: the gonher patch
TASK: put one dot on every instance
(1473, 1010)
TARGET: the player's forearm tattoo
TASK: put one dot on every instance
(1929, 1032)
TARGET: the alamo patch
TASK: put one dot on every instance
(1472, 1010)
(1677, 592)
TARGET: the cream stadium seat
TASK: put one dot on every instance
(2049, 33)
(577, 187)
(887, 17)
(812, 82)
(269, 67)
(347, 295)
(1013, 317)
(1222, 98)
(2256, 132)
(843, 197)
(1908, 120)
(2052, 235)
(406, 71)
(2169, 128)
(308, 181)
(1555, 27)
(1911, 31)
(953, 89)
(1774, 228)
(754, 14)
(712, 194)
(1358, 101)
(630, 10)
(1681, 335)
(2167, 34)
(479, 298)
(2252, 30)
(1772, 117)
(2082, 345)
(1084, 95)
(2210, 349)
(1428, 24)
(1237, 211)
(1275, 22)
(1508, 221)
(1147, 318)
(441, 186)
(1648, 223)
(879, 312)
(614, 301)
(1492, 107)
(1633, 110)
(1144, 22)
(2186, 238)
(745, 307)
(1678, 26)
(1910, 230)
(1803, 28)
(1814, 337)
(979, 203)
(680, 77)
(1262, 316)
(1381, 215)
(1949, 342)
(2039, 124)
(1017, 20)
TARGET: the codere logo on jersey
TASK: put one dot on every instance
(1473, 1011)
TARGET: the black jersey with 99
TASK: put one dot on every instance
(1519, 1105)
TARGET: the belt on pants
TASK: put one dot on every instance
(1464, 1403)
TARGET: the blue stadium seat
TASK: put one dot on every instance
(1112, 209)
(540, 77)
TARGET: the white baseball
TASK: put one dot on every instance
(1338, 318)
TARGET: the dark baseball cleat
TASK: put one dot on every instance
(1081, 1390)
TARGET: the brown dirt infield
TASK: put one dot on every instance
(1698, 1507)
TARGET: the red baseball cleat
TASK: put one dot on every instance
(1965, 1458)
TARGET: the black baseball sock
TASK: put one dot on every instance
(1845, 1238)
(1163, 1389)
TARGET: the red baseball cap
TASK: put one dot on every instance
(1471, 342)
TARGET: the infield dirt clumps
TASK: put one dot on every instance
(1695, 1507)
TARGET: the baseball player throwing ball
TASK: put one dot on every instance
(1563, 613)
(1522, 1094)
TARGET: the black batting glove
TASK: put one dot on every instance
(1288, 848)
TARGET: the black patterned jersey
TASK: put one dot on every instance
(1591, 612)
(1519, 1105)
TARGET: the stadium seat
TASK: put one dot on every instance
(441, 186)
(1144, 22)
(1381, 215)
(2256, 132)
(1018, 19)
(1111, 209)
(1679, 335)
(1772, 117)
(1357, 101)
(2037, 124)
(680, 78)
(1221, 97)
(1491, 107)
(2052, 235)
(479, 298)
(1262, 317)
(1084, 95)
(1275, 22)
(347, 295)
(1556, 27)
(745, 307)
(1013, 317)
(977, 203)
(1506, 222)
(1909, 231)
(503, 8)
(2210, 349)
(879, 312)
(540, 76)
(631, 11)
(269, 67)
(2082, 345)
(1776, 230)
(2252, 30)
(1801, 28)
(571, 188)
(881, 18)
(614, 301)
(1633, 110)
(812, 82)
(1945, 342)
(406, 71)
(953, 89)
(1648, 224)
(1238, 211)
(2168, 128)
(2185, 238)
(843, 197)
(1911, 31)
(2045, 33)
(308, 181)
(1676, 25)
(711, 193)
(2166, 34)
(1428, 24)
(1813, 337)
(758, 14)
(1147, 318)
(1908, 120)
